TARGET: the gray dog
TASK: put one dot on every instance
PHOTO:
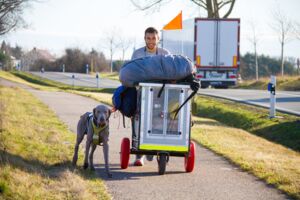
(96, 126)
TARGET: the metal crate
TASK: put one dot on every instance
(158, 129)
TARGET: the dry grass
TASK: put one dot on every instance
(105, 98)
(291, 83)
(35, 153)
(11, 77)
(274, 163)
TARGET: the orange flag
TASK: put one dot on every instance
(175, 23)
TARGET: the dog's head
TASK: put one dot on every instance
(101, 115)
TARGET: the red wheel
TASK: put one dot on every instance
(189, 161)
(125, 152)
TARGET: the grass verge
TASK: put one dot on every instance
(42, 83)
(284, 130)
(274, 163)
(112, 76)
(289, 83)
(35, 153)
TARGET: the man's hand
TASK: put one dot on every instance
(195, 85)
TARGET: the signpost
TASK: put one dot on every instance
(97, 77)
(272, 90)
(298, 66)
(73, 78)
(87, 68)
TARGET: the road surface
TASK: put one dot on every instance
(287, 101)
(213, 176)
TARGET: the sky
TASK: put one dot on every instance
(86, 24)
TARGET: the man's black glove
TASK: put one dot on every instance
(194, 83)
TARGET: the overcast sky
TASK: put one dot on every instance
(58, 24)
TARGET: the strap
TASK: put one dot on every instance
(161, 90)
(123, 121)
(178, 109)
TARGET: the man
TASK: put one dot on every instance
(151, 49)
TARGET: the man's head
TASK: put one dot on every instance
(151, 38)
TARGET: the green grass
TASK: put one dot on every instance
(35, 153)
(49, 83)
(112, 76)
(284, 130)
(289, 83)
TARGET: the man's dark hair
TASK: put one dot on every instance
(151, 30)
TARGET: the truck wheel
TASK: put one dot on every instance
(162, 162)
(125, 153)
(189, 160)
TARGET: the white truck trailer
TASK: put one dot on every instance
(212, 44)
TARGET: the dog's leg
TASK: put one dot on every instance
(80, 136)
(106, 158)
(89, 140)
(91, 156)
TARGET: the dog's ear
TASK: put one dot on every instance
(94, 112)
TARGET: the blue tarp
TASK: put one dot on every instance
(155, 68)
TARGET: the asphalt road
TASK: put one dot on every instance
(286, 101)
(79, 80)
(213, 176)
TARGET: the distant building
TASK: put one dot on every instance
(29, 58)
(15, 63)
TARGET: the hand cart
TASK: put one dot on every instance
(155, 128)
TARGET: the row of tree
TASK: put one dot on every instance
(267, 66)
(75, 60)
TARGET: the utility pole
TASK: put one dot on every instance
(298, 66)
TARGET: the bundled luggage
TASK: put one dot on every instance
(155, 68)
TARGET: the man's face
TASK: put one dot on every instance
(151, 40)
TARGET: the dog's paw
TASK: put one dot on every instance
(85, 166)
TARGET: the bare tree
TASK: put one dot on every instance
(213, 7)
(254, 41)
(283, 27)
(11, 12)
(112, 44)
(297, 30)
(125, 43)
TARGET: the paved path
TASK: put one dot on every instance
(213, 177)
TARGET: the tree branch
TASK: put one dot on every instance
(200, 3)
(146, 7)
(230, 9)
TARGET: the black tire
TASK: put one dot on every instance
(204, 86)
(162, 162)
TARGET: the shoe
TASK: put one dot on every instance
(149, 157)
(138, 162)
